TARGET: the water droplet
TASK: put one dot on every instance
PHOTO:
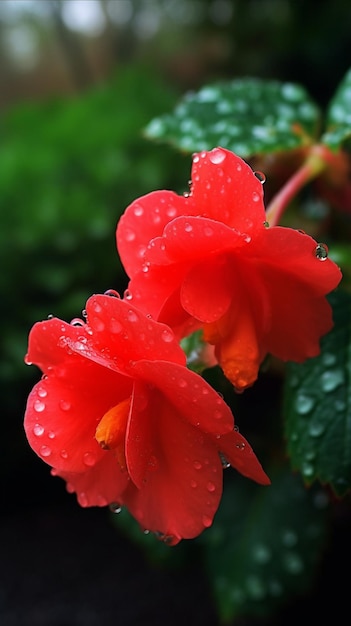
(307, 470)
(83, 499)
(65, 405)
(225, 463)
(127, 295)
(304, 404)
(240, 445)
(197, 465)
(332, 379)
(321, 251)
(138, 210)
(38, 430)
(77, 322)
(196, 158)
(188, 228)
(39, 406)
(129, 234)
(89, 459)
(167, 336)
(64, 454)
(115, 507)
(97, 307)
(45, 451)
(99, 325)
(132, 316)
(261, 553)
(207, 521)
(316, 429)
(293, 563)
(193, 484)
(211, 487)
(42, 393)
(115, 326)
(182, 383)
(260, 176)
(217, 156)
(27, 360)
(51, 434)
(255, 197)
(113, 293)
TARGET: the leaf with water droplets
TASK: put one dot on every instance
(317, 406)
(248, 116)
(338, 122)
(265, 544)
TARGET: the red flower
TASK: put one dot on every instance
(119, 416)
(208, 260)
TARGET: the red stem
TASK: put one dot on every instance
(312, 167)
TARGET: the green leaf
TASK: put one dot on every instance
(264, 544)
(248, 116)
(338, 121)
(317, 406)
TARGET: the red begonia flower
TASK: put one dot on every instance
(118, 415)
(208, 260)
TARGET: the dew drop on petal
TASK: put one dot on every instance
(38, 430)
(211, 487)
(196, 158)
(260, 176)
(132, 316)
(113, 293)
(225, 463)
(51, 434)
(217, 156)
(65, 405)
(115, 326)
(39, 406)
(197, 465)
(207, 521)
(255, 197)
(138, 210)
(127, 295)
(45, 451)
(89, 459)
(193, 484)
(77, 322)
(64, 454)
(182, 383)
(167, 336)
(42, 393)
(321, 251)
(240, 446)
(27, 360)
(83, 499)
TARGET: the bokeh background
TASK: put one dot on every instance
(79, 80)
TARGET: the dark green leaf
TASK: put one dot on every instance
(264, 544)
(338, 122)
(317, 403)
(248, 116)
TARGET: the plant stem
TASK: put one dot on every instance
(314, 164)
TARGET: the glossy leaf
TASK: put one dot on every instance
(248, 116)
(318, 408)
(338, 122)
(264, 545)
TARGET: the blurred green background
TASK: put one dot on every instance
(79, 80)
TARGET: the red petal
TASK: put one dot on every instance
(144, 220)
(122, 333)
(295, 281)
(207, 290)
(193, 238)
(100, 485)
(64, 408)
(226, 189)
(182, 487)
(238, 452)
(189, 394)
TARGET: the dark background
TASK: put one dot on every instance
(73, 102)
